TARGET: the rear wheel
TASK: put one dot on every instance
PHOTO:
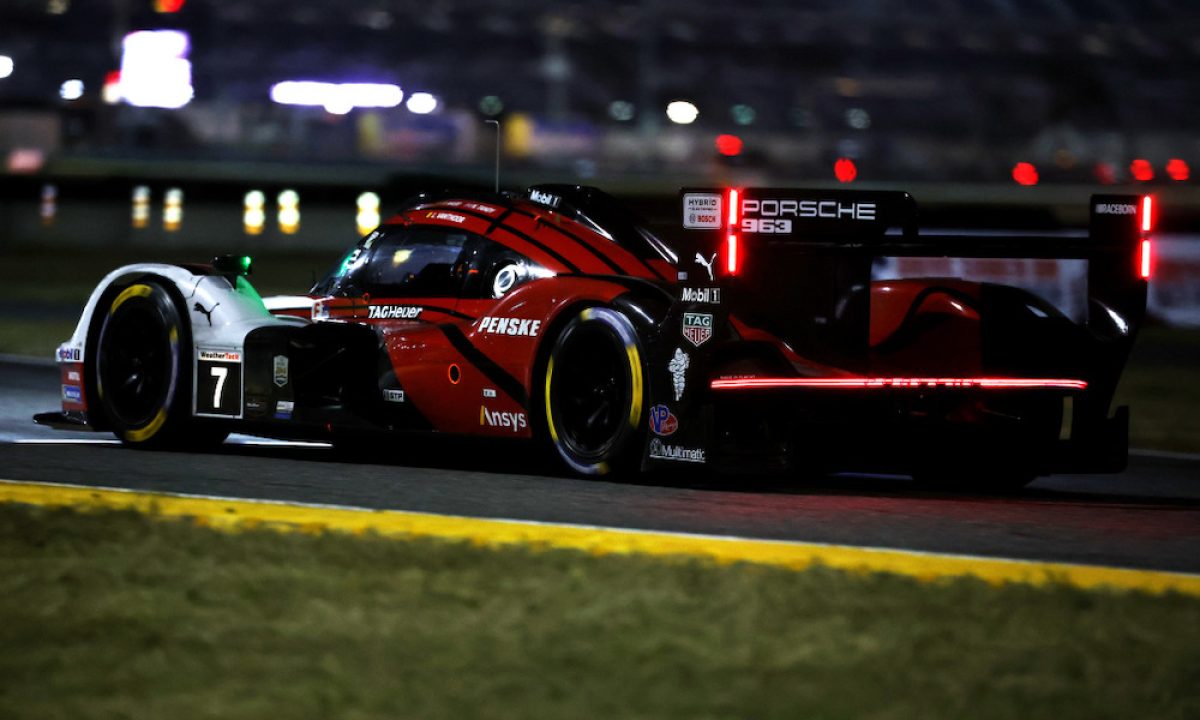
(141, 371)
(594, 392)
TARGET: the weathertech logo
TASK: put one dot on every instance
(499, 419)
(510, 326)
(394, 312)
(1115, 209)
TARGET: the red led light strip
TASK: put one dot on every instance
(1145, 249)
(912, 382)
(731, 240)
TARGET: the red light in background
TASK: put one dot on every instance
(729, 145)
(1141, 170)
(845, 170)
(1178, 170)
(1105, 173)
(168, 6)
(1025, 174)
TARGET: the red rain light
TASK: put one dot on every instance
(864, 383)
(1178, 170)
(1141, 170)
(731, 239)
(1025, 174)
(729, 145)
(845, 170)
(1147, 213)
(1144, 260)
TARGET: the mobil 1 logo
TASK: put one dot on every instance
(218, 383)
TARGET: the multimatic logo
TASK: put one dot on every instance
(660, 450)
(509, 326)
(1115, 209)
(697, 327)
(514, 421)
(394, 312)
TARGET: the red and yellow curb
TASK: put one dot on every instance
(234, 515)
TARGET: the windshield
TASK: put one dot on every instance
(342, 278)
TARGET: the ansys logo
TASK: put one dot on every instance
(514, 421)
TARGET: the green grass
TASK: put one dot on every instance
(114, 614)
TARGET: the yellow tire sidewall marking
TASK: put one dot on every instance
(132, 291)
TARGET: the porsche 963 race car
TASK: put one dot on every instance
(759, 337)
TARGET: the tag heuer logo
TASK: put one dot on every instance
(697, 327)
(281, 370)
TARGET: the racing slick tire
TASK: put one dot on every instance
(594, 393)
(142, 372)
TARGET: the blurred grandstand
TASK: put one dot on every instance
(909, 90)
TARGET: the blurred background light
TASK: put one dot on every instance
(1141, 170)
(1024, 173)
(155, 71)
(858, 118)
(367, 218)
(140, 217)
(421, 103)
(621, 110)
(168, 6)
(729, 145)
(682, 112)
(172, 209)
(289, 212)
(71, 90)
(111, 92)
(491, 105)
(743, 114)
(6, 66)
(1178, 170)
(845, 170)
(336, 98)
(253, 214)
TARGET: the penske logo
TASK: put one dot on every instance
(394, 312)
(510, 326)
(514, 421)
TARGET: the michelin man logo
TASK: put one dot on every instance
(678, 368)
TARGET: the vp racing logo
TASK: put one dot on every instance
(514, 421)
(662, 421)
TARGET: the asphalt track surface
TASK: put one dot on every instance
(1147, 517)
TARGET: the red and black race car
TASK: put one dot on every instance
(761, 337)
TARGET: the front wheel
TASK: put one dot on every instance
(141, 370)
(594, 392)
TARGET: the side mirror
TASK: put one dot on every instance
(232, 266)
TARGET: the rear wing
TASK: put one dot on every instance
(839, 232)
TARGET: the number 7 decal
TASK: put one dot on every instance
(220, 373)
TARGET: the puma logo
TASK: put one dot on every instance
(708, 264)
(207, 313)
